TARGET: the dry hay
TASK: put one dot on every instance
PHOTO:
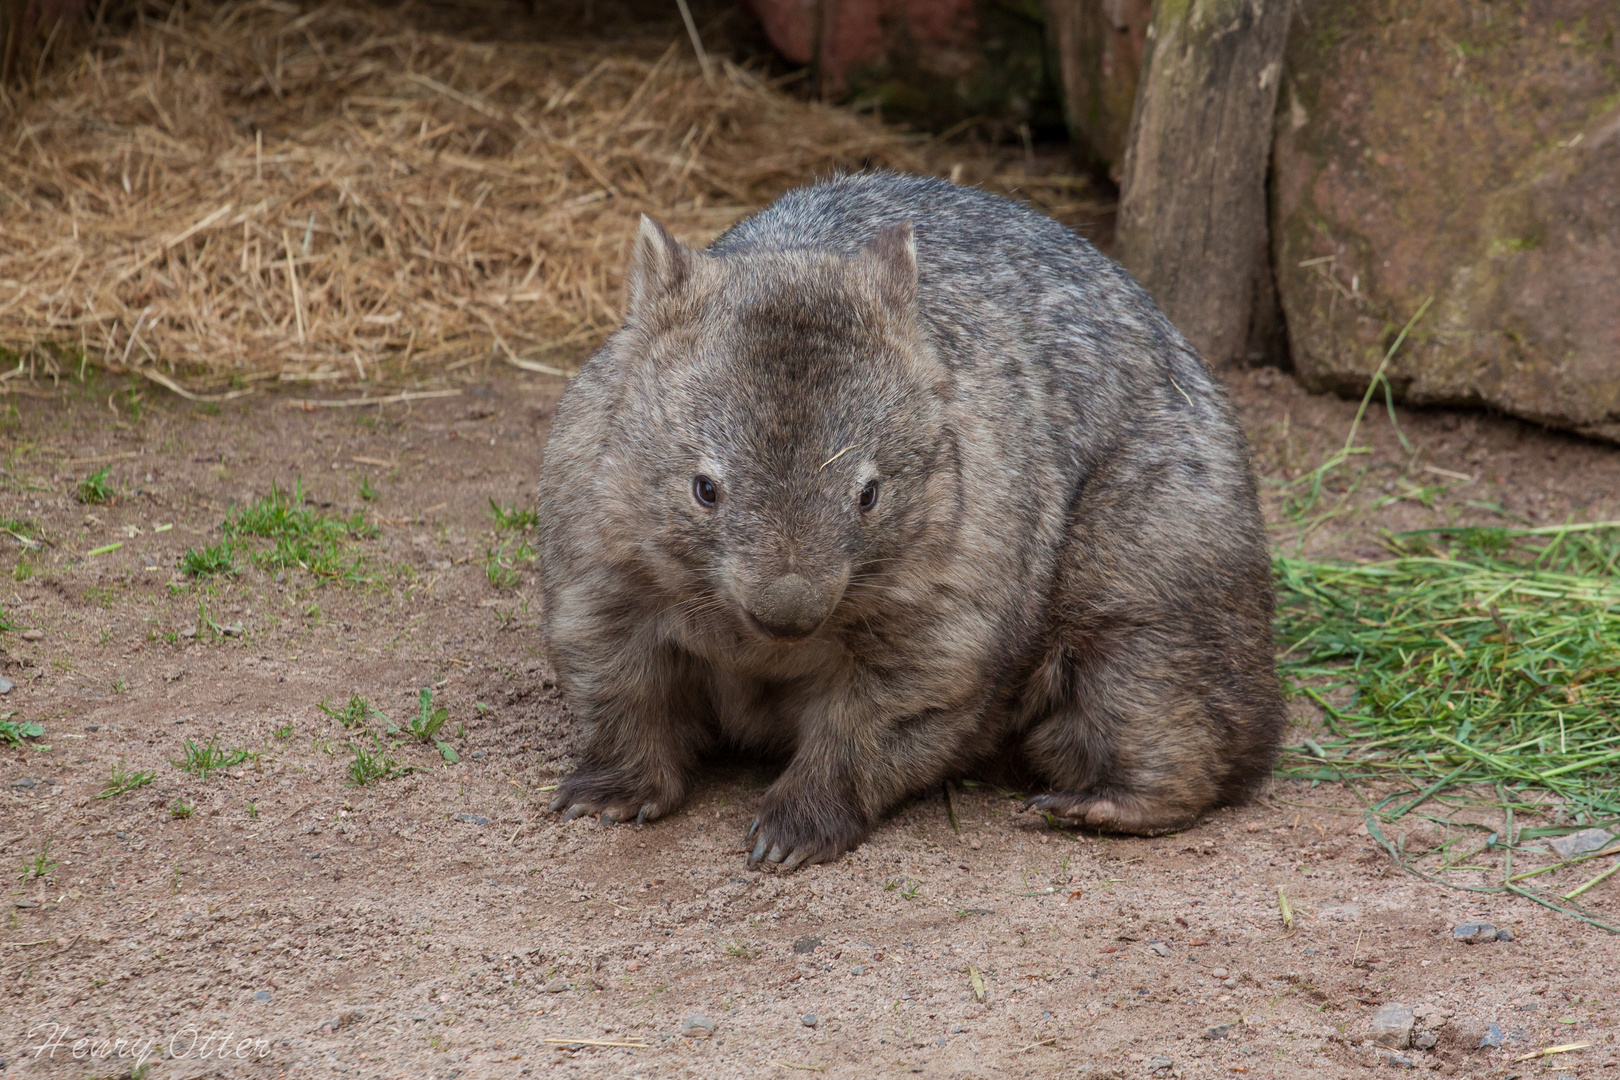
(233, 192)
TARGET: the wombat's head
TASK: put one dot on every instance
(783, 423)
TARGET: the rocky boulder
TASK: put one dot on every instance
(1468, 152)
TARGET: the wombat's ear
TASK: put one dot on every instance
(888, 265)
(659, 266)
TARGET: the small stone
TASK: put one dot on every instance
(1425, 1040)
(262, 995)
(478, 754)
(1474, 932)
(1159, 947)
(189, 632)
(1577, 844)
(556, 986)
(472, 819)
(974, 844)
(957, 1029)
(940, 1041)
(809, 1019)
(26, 904)
(698, 1025)
(92, 727)
(808, 943)
(1159, 1064)
(1218, 973)
(1492, 1038)
(33, 635)
(234, 629)
(1504, 935)
(5, 685)
(1391, 1026)
(1220, 1031)
(858, 969)
(1397, 1061)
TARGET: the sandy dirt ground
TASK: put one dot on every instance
(439, 924)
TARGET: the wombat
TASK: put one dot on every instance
(900, 480)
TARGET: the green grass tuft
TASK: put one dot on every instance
(373, 764)
(501, 563)
(354, 714)
(512, 518)
(121, 781)
(301, 537)
(94, 488)
(209, 757)
(201, 562)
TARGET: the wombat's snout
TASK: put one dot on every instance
(790, 607)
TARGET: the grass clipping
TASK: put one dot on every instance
(1478, 658)
(243, 191)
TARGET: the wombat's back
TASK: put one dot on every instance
(1035, 323)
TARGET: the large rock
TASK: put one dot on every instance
(1464, 151)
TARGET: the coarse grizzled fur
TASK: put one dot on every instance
(900, 480)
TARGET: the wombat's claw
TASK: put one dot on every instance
(557, 803)
(759, 850)
(578, 810)
(641, 818)
(792, 862)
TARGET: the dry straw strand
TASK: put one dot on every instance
(332, 193)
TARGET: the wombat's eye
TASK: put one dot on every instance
(869, 495)
(703, 490)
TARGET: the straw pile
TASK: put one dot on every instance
(241, 191)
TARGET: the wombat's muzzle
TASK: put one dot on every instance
(790, 607)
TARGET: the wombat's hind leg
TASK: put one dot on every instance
(1109, 809)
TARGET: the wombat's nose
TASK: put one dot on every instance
(790, 607)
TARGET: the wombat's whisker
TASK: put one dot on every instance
(836, 456)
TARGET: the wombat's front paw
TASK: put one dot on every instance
(614, 794)
(798, 829)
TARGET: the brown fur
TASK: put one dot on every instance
(1064, 562)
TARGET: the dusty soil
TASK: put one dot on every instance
(438, 923)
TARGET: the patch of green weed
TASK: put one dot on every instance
(512, 518)
(200, 760)
(501, 563)
(40, 864)
(354, 714)
(94, 488)
(122, 780)
(373, 764)
(213, 559)
(425, 725)
(14, 732)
